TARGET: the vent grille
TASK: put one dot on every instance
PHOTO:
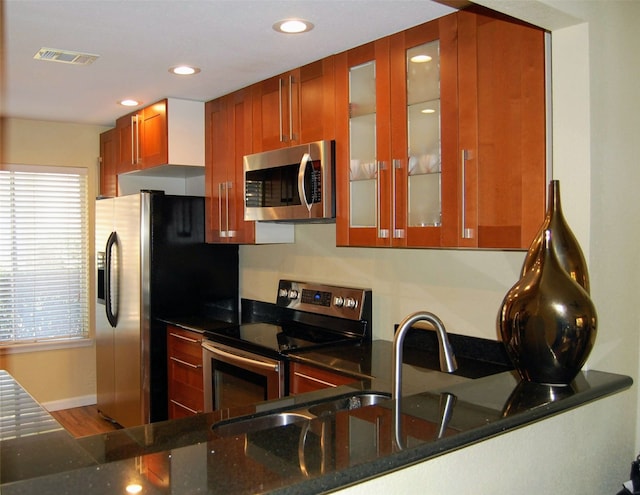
(65, 56)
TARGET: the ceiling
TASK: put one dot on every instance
(232, 41)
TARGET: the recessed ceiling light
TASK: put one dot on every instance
(421, 59)
(184, 70)
(293, 26)
(129, 103)
(428, 110)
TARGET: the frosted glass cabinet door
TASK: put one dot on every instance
(423, 135)
(363, 177)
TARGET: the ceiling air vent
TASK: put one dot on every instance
(65, 56)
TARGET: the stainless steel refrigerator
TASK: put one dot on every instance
(152, 264)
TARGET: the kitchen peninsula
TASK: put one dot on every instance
(188, 456)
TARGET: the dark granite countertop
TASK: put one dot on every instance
(438, 413)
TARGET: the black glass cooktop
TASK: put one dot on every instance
(282, 338)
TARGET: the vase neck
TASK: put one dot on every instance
(553, 201)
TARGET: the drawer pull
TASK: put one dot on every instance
(190, 365)
(184, 407)
(314, 379)
(182, 337)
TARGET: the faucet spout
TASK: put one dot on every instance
(448, 362)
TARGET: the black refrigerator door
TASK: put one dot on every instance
(188, 278)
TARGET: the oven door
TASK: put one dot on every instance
(233, 377)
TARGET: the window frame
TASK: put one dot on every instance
(85, 338)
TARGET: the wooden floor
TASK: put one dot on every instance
(83, 421)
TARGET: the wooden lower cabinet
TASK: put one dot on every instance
(184, 362)
(304, 378)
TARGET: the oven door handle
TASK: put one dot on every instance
(268, 365)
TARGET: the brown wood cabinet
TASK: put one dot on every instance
(374, 111)
(227, 139)
(168, 132)
(446, 154)
(108, 164)
(295, 108)
(142, 138)
(185, 381)
(502, 140)
(304, 378)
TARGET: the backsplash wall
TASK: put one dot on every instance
(464, 288)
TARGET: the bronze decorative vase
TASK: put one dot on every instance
(565, 244)
(547, 320)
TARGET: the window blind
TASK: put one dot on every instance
(43, 255)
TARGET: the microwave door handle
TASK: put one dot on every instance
(112, 316)
(301, 173)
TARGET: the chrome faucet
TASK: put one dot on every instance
(448, 362)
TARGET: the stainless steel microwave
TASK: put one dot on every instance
(291, 184)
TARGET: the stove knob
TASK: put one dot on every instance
(283, 293)
(350, 303)
(338, 301)
(293, 294)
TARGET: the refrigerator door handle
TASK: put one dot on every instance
(112, 315)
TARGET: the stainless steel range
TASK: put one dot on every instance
(246, 364)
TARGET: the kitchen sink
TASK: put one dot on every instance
(249, 425)
(348, 403)
(313, 410)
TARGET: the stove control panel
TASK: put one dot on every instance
(330, 300)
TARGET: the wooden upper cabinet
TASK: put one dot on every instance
(502, 144)
(441, 136)
(108, 164)
(153, 131)
(363, 145)
(228, 139)
(396, 126)
(294, 108)
(142, 138)
(317, 101)
(126, 140)
(423, 74)
(168, 132)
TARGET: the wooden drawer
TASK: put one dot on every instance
(184, 343)
(184, 361)
(304, 378)
(186, 398)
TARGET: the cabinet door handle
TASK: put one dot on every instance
(184, 407)
(282, 138)
(314, 379)
(291, 135)
(133, 139)
(397, 233)
(182, 337)
(221, 231)
(230, 231)
(185, 363)
(135, 130)
(465, 233)
(382, 233)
